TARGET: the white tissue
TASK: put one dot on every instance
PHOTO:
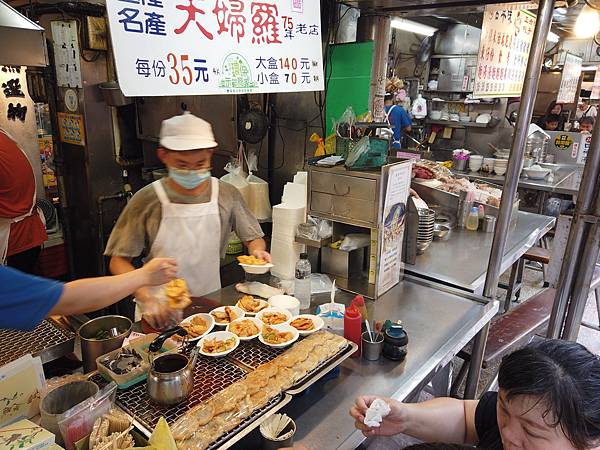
(376, 412)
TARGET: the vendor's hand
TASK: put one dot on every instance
(157, 313)
(159, 271)
(392, 424)
(413, 193)
(262, 254)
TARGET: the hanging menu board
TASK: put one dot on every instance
(504, 46)
(595, 95)
(195, 47)
(569, 82)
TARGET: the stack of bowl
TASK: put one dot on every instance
(425, 232)
(500, 166)
(475, 162)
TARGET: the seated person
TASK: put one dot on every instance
(550, 122)
(586, 124)
(549, 398)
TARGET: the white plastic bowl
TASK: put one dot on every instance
(240, 313)
(292, 304)
(284, 311)
(207, 317)
(317, 322)
(282, 328)
(256, 322)
(255, 269)
(220, 335)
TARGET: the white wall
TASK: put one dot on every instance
(25, 133)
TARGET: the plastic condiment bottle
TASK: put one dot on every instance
(473, 219)
(359, 303)
(352, 327)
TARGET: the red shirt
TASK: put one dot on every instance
(17, 186)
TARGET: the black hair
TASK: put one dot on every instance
(388, 96)
(566, 377)
(551, 107)
(438, 446)
(587, 119)
(552, 118)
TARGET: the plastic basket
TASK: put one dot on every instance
(343, 146)
(375, 157)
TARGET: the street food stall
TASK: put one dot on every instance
(369, 260)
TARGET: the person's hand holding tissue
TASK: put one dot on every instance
(378, 416)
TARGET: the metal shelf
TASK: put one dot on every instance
(452, 124)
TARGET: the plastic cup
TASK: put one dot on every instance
(372, 346)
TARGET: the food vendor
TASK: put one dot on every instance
(398, 119)
(22, 231)
(187, 215)
(25, 300)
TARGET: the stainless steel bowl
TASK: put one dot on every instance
(92, 347)
(440, 231)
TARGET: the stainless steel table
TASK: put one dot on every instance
(439, 322)
(462, 260)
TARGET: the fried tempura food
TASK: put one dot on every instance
(217, 345)
(195, 327)
(303, 324)
(244, 328)
(178, 294)
(224, 317)
(251, 260)
(273, 318)
(249, 304)
(272, 336)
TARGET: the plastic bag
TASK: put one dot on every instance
(419, 107)
(362, 147)
(259, 203)
(343, 127)
(236, 176)
(78, 422)
(355, 241)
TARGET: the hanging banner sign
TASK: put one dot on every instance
(196, 47)
(595, 95)
(569, 82)
(504, 46)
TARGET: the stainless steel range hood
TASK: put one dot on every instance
(22, 41)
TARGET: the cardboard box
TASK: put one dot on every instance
(25, 435)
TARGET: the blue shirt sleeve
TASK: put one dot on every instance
(25, 300)
(404, 118)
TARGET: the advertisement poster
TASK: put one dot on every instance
(569, 82)
(394, 214)
(195, 47)
(504, 47)
(71, 129)
(595, 95)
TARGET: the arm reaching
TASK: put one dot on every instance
(258, 248)
(438, 420)
(91, 294)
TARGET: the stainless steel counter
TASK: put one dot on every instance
(462, 260)
(439, 322)
(560, 176)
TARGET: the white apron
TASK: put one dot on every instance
(191, 233)
(391, 129)
(5, 223)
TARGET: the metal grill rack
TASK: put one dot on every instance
(252, 354)
(211, 376)
(47, 340)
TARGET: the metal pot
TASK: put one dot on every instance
(92, 348)
(170, 380)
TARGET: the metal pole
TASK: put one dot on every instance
(378, 29)
(530, 85)
(579, 229)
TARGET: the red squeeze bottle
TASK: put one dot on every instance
(359, 303)
(353, 327)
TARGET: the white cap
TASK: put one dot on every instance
(186, 132)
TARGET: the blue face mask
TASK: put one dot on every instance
(189, 179)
